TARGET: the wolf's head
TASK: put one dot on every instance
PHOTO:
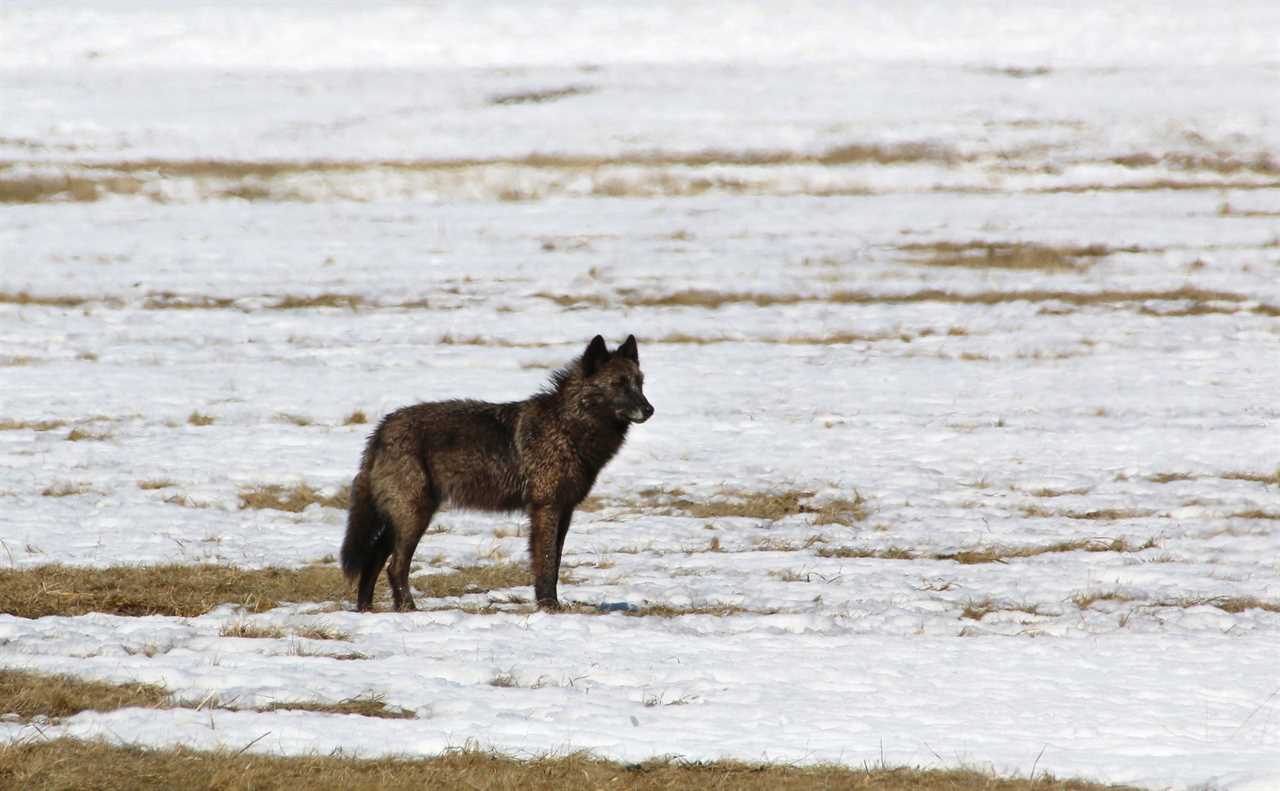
(612, 382)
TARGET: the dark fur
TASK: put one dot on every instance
(540, 455)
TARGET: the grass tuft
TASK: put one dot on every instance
(473, 579)
(178, 590)
(363, 705)
(294, 420)
(711, 299)
(1026, 256)
(980, 608)
(1170, 477)
(83, 434)
(49, 765)
(25, 298)
(669, 611)
(293, 302)
(9, 424)
(322, 632)
(540, 97)
(66, 489)
(992, 554)
(198, 419)
(356, 418)
(167, 300)
(30, 695)
(843, 511)
(292, 499)
(251, 631)
(1268, 478)
(1086, 599)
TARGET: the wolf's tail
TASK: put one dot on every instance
(366, 529)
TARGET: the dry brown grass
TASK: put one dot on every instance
(168, 300)
(1227, 210)
(266, 179)
(321, 632)
(1170, 477)
(843, 511)
(1226, 163)
(364, 705)
(32, 188)
(977, 609)
(251, 631)
(992, 554)
(356, 418)
(1256, 513)
(1047, 492)
(1110, 514)
(186, 502)
(540, 97)
(10, 424)
(198, 419)
(81, 434)
(830, 339)
(180, 590)
(711, 299)
(753, 505)
(1086, 599)
(769, 505)
(449, 339)
(668, 611)
(157, 483)
(852, 153)
(747, 504)
(293, 499)
(294, 302)
(60, 765)
(1020, 73)
(473, 579)
(262, 180)
(31, 695)
(1234, 604)
(1009, 255)
(49, 301)
(66, 489)
(1268, 478)
(293, 420)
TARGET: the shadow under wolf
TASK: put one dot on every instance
(540, 455)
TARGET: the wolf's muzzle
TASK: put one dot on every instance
(641, 413)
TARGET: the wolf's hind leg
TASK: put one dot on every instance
(369, 573)
(403, 493)
(410, 525)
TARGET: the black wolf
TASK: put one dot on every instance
(540, 455)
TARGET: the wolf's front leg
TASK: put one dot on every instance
(544, 529)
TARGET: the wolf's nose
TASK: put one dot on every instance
(648, 411)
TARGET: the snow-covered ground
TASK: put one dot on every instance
(491, 187)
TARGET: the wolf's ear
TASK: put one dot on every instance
(595, 356)
(628, 349)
